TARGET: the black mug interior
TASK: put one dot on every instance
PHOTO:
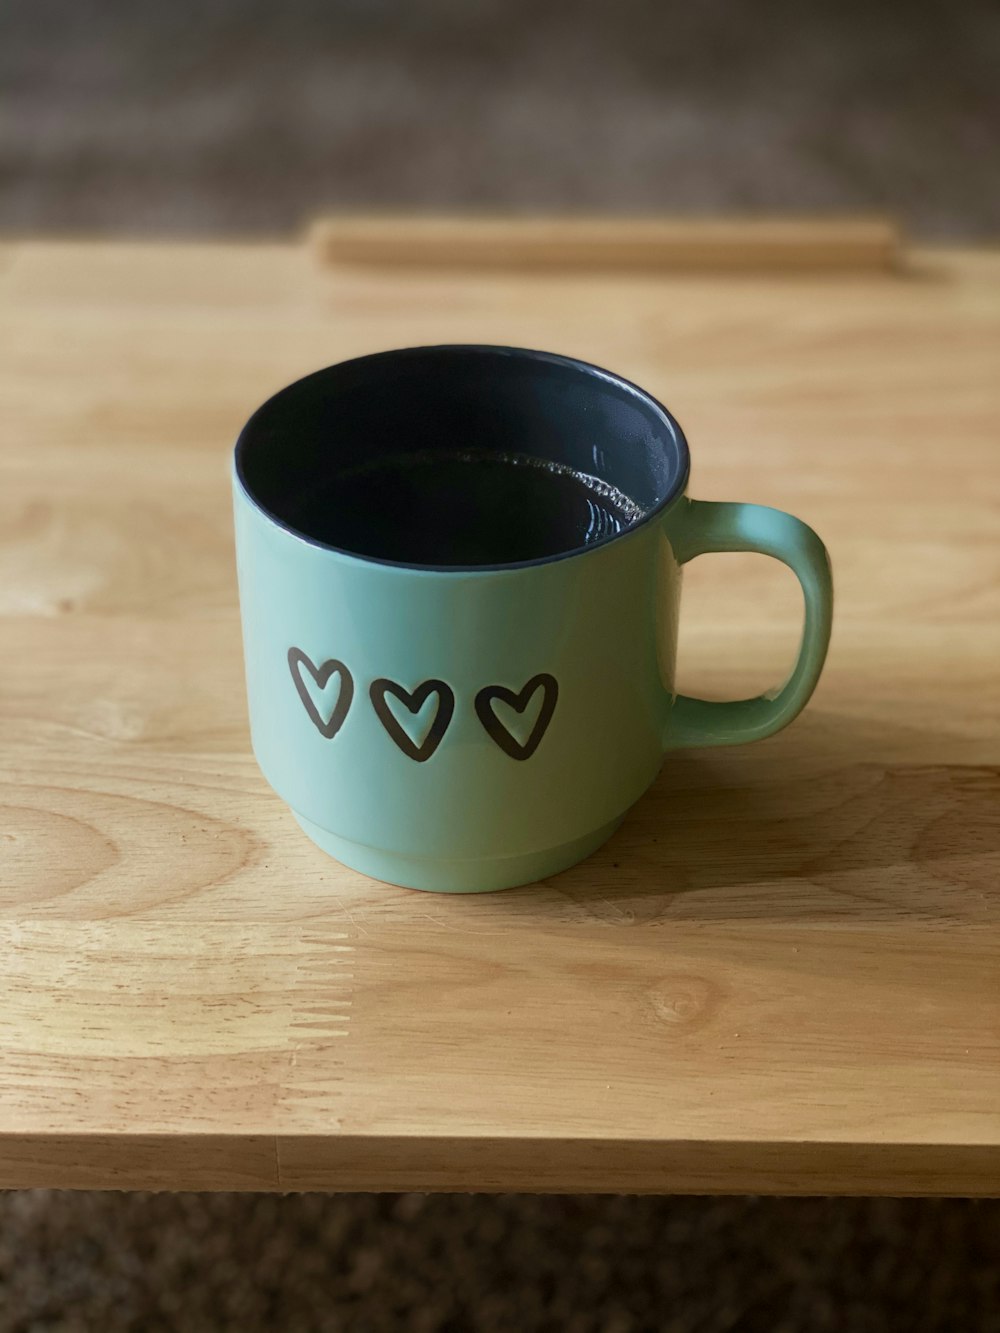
(461, 457)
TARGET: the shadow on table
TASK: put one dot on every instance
(837, 818)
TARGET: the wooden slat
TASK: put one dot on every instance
(611, 243)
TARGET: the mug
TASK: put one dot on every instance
(469, 728)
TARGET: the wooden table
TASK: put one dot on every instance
(782, 975)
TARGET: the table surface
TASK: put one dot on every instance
(783, 973)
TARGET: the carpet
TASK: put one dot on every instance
(201, 1263)
(245, 116)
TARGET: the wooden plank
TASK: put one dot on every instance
(362, 1163)
(139, 1162)
(616, 243)
(554, 1165)
(782, 974)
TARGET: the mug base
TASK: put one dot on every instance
(460, 876)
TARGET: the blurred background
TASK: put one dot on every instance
(222, 117)
(205, 116)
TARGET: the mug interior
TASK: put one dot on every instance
(498, 402)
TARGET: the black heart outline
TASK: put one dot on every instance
(518, 700)
(414, 702)
(321, 675)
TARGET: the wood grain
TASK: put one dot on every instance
(610, 243)
(782, 974)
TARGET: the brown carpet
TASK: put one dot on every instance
(250, 115)
(197, 1263)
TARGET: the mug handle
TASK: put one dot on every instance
(711, 525)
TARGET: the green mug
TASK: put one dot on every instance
(460, 726)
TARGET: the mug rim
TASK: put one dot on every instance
(669, 421)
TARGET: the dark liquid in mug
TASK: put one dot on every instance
(461, 508)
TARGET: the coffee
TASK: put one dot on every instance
(461, 507)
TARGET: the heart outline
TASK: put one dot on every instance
(413, 701)
(321, 675)
(518, 700)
